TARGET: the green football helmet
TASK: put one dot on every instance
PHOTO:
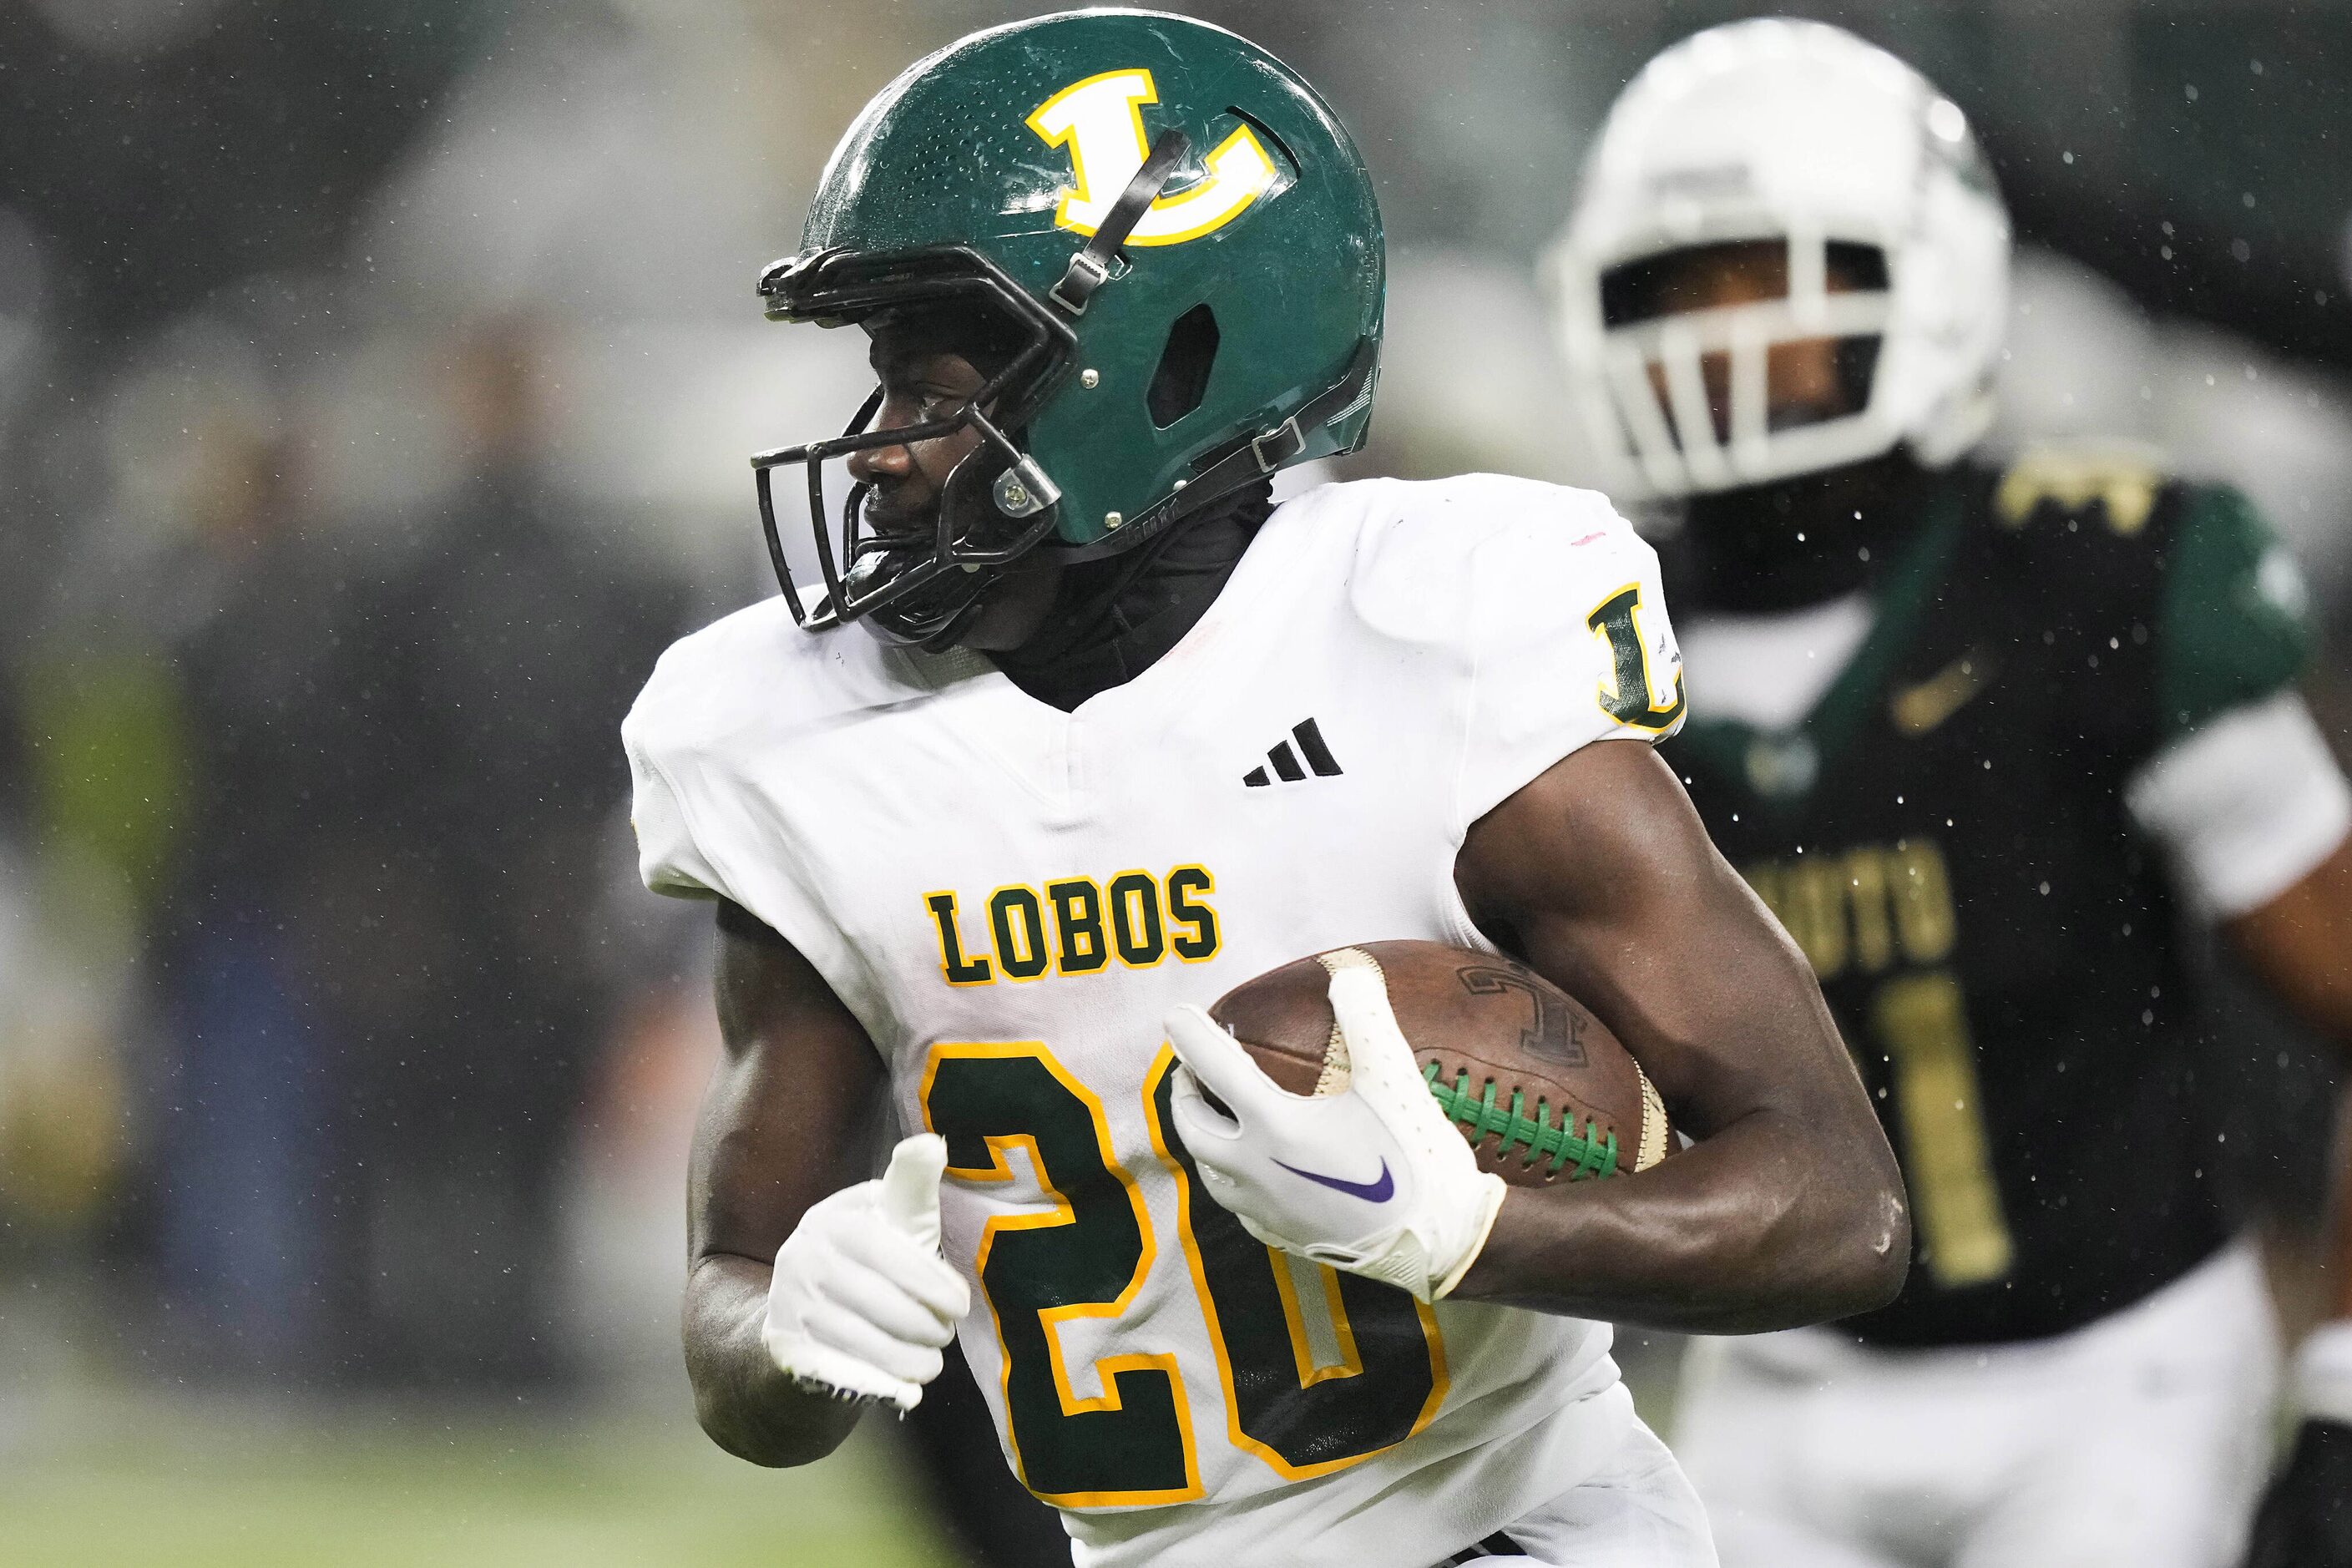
(1173, 236)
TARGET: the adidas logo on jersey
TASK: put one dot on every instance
(1284, 761)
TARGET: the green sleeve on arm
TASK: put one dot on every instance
(2234, 629)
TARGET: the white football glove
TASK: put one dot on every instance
(1368, 1176)
(862, 1302)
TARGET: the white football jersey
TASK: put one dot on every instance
(1011, 898)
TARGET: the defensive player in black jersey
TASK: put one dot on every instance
(1982, 737)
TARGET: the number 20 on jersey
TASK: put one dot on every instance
(1086, 1254)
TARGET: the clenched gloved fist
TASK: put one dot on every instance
(862, 1303)
(1370, 1178)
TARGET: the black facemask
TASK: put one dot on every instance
(1796, 541)
(1112, 620)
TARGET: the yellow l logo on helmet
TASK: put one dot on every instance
(1101, 122)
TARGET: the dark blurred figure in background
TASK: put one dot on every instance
(490, 674)
(245, 1108)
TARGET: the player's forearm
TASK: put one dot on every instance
(1754, 1229)
(1791, 1208)
(746, 1404)
(2300, 943)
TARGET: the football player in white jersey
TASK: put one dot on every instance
(1977, 732)
(1113, 734)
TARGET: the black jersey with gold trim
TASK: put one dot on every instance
(1946, 835)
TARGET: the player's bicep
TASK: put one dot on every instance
(1601, 875)
(790, 1097)
(2245, 806)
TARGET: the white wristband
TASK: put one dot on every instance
(2323, 1372)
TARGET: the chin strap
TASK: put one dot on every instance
(1251, 459)
(1257, 456)
(1089, 269)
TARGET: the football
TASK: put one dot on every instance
(1538, 1086)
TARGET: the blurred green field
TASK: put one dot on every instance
(172, 1484)
(94, 1474)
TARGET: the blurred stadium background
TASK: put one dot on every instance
(375, 385)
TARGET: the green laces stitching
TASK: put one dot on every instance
(1481, 1117)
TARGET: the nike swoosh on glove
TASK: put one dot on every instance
(862, 1303)
(1370, 1178)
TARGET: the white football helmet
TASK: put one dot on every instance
(1781, 130)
